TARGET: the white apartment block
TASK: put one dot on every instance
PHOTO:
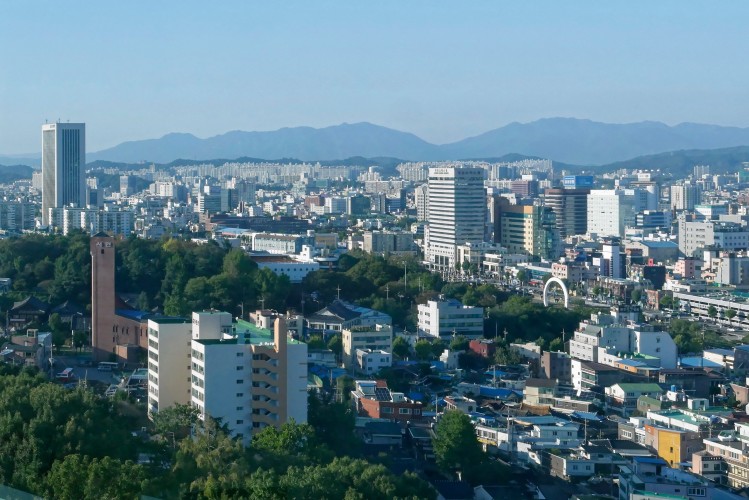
(246, 375)
(608, 339)
(169, 364)
(369, 361)
(378, 337)
(457, 213)
(446, 318)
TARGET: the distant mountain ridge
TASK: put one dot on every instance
(568, 140)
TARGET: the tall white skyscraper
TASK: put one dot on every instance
(457, 213)
(63, 166)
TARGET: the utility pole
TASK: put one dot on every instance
(387, 292)
(262, 303)
(405, 275)
(338, 292)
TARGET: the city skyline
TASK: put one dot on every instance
(442, 72)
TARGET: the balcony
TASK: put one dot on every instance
(269, 392)
(269, 419)
(269, 405)
(270, 365)
(268, 378)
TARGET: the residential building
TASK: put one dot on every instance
(556, 366)
(651, 478)
(373, 399)
(63, 166)
(539, 392)
(622, 398)
(376, 337)
(447, 318)
(370, 361)
(169, 367)
(457, 213)
(247, 375)
(685, 196)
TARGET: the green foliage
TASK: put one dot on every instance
(455, 444)
(333, 423)
(506, 356)
(176, 420)
(712, 311)
(335, 344)
(423, 349)
(42, 423)
(80, 477)
(687, 336)
(459, 343)
(401, 348)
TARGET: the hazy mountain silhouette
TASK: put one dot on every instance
(567, 140)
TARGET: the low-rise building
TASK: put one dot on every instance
(371, 361)
(373, 399)
(375, 338)
(622, 398)
(446, 318)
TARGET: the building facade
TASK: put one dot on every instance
(63, 166)
(457, 213)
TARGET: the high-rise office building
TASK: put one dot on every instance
(457, 213)
(530, 229)
(611, 211)
(571, 209)
(63, 166)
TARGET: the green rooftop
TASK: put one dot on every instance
(643, 387)
(166, 320)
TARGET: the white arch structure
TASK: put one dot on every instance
(564, 291)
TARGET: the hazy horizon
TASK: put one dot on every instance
(441, 71)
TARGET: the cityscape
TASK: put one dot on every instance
(557, 308)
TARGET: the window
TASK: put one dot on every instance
(240, 408)
(240, 368)
(240, 422)
(404, 411)
(240, 394)
(386, 409)
(240, 381)
(240, 354)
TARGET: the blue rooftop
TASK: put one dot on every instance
(660, 244)
(650, 460)
(699, 362)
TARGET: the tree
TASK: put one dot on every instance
(712, 312)
(547, 277)
(401, 348)
(335, 344)
(636, 295)
(423, 350)
(730, 314)
(521, 276)
(455, 444)
(438, 347)
(556, 345)
(507, 357)
(459, 343)
(177, 420)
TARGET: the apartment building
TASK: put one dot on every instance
(169, 367)
(239, 372)
(445, 318)
(368, 337)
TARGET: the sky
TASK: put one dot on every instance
(441, 70)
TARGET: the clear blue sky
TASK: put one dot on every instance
(442, 70)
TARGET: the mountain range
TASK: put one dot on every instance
(567, 140)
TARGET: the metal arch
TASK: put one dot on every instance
(564, 291)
